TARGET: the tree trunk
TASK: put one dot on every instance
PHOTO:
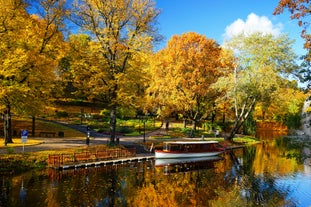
(194, 128)
(234, 130)
(7, 126)
(263, 115)
(195, 125)
(4, 129)
(113, 123)
(213, 115)
(33, 130)
(241, 118)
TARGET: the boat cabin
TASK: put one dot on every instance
(191, 146)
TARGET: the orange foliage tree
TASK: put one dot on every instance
(300, 10)
(181, 76)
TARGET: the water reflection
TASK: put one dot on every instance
(253, 189)
(186, 164)
(261, 175)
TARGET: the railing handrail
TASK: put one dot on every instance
(56, 160)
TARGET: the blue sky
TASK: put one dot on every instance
(218, 19)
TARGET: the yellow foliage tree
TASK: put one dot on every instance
(181, 76)
(29, 49)
(121, 33)
(285, 108)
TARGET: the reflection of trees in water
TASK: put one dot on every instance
(270, 134)
(247, 179)
(253, 189)
(4, 195)
(107, 185)
(184, 184)
(294, 147)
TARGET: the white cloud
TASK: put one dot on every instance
(253, 23)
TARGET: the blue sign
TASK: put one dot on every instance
(24, 133)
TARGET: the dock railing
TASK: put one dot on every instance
(57, 160)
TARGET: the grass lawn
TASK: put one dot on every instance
(21, 124)
(17, 142)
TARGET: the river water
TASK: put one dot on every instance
(270, 174)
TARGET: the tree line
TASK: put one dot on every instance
(103, 51)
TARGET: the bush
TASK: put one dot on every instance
(293, 121)
(124, 129)
(61, 114)
(98, 116)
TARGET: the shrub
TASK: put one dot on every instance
(61, 114)
(124, 129)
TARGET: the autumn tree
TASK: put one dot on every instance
(300, 10)
(49, 46)
(182, 74)
(121, 32)
(30, 45)
(262, 63)
(285, 107)
(13, 58)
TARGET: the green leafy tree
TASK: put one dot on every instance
(262, 63)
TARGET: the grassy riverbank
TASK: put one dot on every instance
(12, 162)
(15, 163)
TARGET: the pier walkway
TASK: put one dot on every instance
(104, 162)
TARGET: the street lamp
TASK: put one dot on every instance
(87, 135)
(144, 129)
(144, 119)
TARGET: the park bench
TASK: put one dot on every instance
(47, 134)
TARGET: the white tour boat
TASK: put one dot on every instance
(189, 149)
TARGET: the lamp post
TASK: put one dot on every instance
(145, 130)
(4, 128)
(144, 120)
(87, 135)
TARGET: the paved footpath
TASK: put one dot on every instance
(62, 143)
(50, 143)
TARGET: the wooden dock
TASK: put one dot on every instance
(102, 158)
(103, 162)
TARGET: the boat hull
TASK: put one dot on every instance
(168, 155)
(174, 161)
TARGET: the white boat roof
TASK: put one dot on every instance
(192, 142)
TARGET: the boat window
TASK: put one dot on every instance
(175, 147)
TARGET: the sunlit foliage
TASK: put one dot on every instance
(121, 33)
(181, 75)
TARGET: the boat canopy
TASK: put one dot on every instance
(191, 142)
